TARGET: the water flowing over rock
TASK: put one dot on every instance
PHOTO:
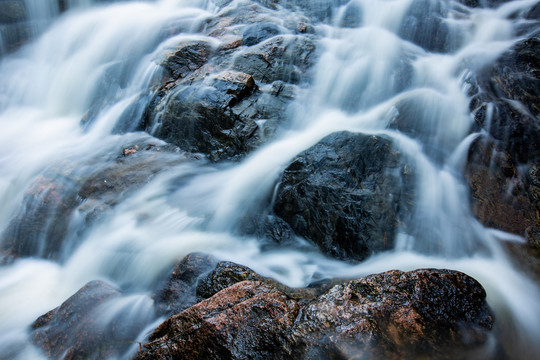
(432, 313)
(55, 198)
(75, 331)
(229, 113)
(502, 169)
(348, 194)
(235, 170)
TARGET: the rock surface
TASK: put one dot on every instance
(248, 320)
(418, 314)
(89, 191)
(74, 330)
(225, 94)
(502, 170)
(348, 194)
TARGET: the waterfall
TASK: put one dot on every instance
(74, 96)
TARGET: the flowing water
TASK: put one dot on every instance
(50, 84)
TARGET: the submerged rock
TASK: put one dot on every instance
(64, 192)
(419, 314)
(348, 194)
(79, 328)
(180, 289)
(425, 25)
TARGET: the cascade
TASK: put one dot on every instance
(93, 186)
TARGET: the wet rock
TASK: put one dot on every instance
(352, 16)
(63, 193)
(501, 170)
(12, 11)
(428, 313)
(499, 196)
(223, 117)
(248, 320)
(534, 13)
(348, 194)
(74, 331)
(424, 25)
(188, 57)
(225, 274)
(319, 10)
(419, 314)
(284, 57)
(42, 222)
(180, 290)
(256, 33)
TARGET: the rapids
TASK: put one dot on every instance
(108, 53)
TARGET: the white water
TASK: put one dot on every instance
(47, 87)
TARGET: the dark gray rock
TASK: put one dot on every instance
(180, 289)
(256, 33)
(348, 194)
(77, 329)
(225, 274)
(284, 57)
(424, 25)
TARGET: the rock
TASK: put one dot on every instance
(348, 194)
(42, 222)
(429, 313)
(424, 26)
(74, 331)
(89, 191)
(188, 57)
(256, 33)
(352, 16)
(318, 10)
(248, 320)
(223, 117)
(283, 57)
(501, 170)
(180, 290)
(12, 11)
(225, 274)
(498, 191)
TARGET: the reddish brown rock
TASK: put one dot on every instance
(248, 320)
(499, 194)
(428, 313)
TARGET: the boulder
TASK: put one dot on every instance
(248, 320)
(502, 170)
(180, 290)
(283, 57)
(40, 227)
(225, 274)
(425, 313)
(256, 33)
(224, 117)
(499, 194)
(75, 329)
(424, 26)
(348, 194)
